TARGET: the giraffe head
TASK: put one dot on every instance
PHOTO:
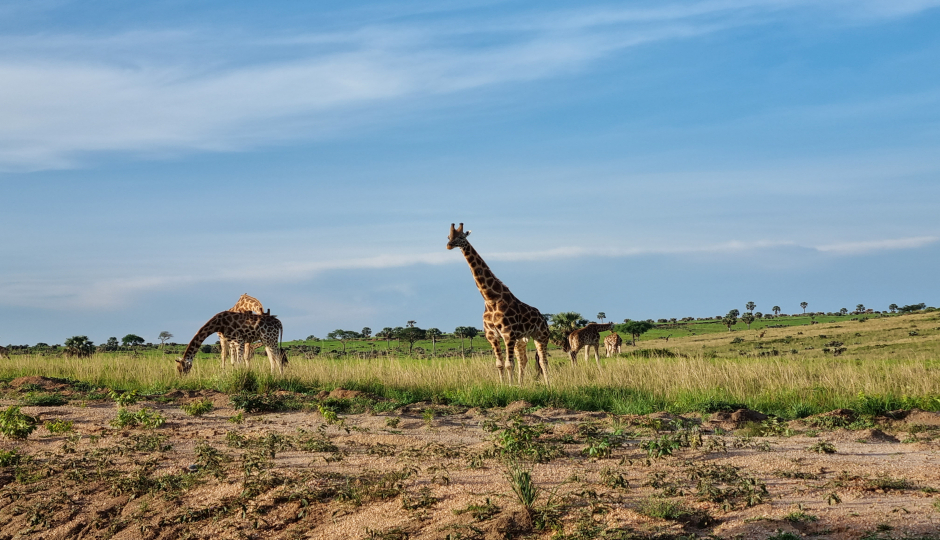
(457, 238)
(182, 366)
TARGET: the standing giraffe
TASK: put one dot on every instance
(587, 337)
(243, 329)
(612, 343)
(504, 315)
(245, 304)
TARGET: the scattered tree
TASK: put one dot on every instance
(79, 346)
(366, 332)
(912, 308)
(776, 310)
(601, 316)
(803, 305)
(747, 319)
(387, 334)
(634, 328)
(844, 311)
(342, 336)
(471, 333)
(750, 307)
(893, 307)
(758, 315)
(131, 339)
(411, 324)
(112, 344)
(730, 319)
(563, 324)
(163, 337)
(412, 334)
(735, 313)
(312, 337)
(860, 308)
(433, 334)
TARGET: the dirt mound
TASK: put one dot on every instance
(866, 435)
(44, 383)
(517, 407)
(736, 419)
(915, 417)
(846, 414)
(340, 393)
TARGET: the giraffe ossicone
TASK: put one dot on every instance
(505, 317)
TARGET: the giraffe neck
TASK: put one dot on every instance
(492, 289)
(207, 330)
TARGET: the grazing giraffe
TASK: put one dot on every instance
(4, 353)
(587, 337)
(504, 315)
(243, 329)
(245, 304)
(612, 343)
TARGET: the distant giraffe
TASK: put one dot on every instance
(587, 337)
(245, 304)
(612, 343)
(4, 353)
(243, 329)
(504, 315)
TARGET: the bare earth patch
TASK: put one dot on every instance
(416, 474)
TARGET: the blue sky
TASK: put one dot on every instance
(645, 159)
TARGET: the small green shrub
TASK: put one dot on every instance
(59, 426)
(44, 400)
(198, 408)
(15, 424)
(124, 399)
(145, 417)
(8, 458)
(823, 447)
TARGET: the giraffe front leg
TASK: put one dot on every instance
(223, 345)
(510, 351)
(523, 358)
(596, 359)
(541, 349)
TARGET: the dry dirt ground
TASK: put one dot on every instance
(433, 471)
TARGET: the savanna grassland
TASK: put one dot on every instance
(824, 430)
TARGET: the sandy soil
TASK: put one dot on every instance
(411, 473)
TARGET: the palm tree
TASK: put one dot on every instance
(601, 316)
(750, 307)
(776, 310)
(803, 305)
(433, 334)
(565, 323)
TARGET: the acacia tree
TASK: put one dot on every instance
(803, 305)
(860, 308)
(163, 337)
(601, 316)
(433, 334)
(342, 336)
(366, 332)
(776, 310)
(893, 307)
(131, 340)
(634, 328)
(412, 334)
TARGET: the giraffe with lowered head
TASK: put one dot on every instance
(245, 304)
(612, 343)
(504, 316)
(243, 329)
(587, 337)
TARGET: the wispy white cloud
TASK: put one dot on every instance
(64, 96)
(116, 292)
(868, 246)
